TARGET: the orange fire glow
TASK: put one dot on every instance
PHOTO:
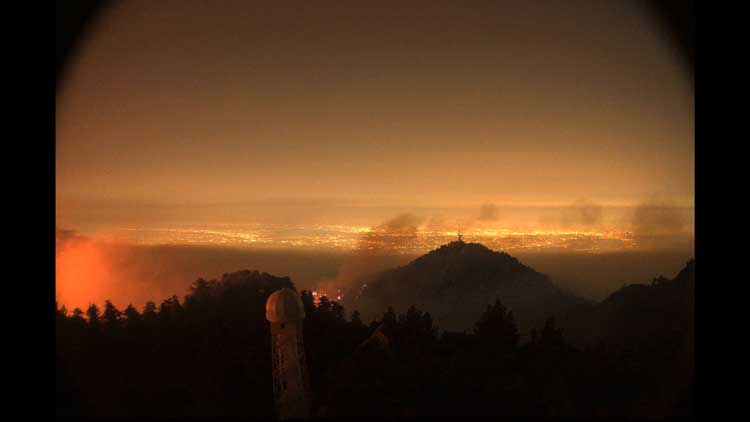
(317, 295)
(81, 273)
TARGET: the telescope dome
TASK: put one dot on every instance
(284, 305)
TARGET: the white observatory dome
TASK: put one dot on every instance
(284, 305)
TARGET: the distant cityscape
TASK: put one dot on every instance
(345, 238)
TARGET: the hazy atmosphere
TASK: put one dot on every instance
(316, 139)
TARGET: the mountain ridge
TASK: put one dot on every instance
(456, 282)
(639, 313)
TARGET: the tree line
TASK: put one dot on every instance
(208, 355)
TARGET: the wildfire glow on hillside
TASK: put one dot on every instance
(81, 271)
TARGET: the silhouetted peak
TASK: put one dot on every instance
(467, 253)
(659, 289)
(459, 246)
(688, 273)
(457, 280)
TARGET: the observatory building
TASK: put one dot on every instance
(291, 388)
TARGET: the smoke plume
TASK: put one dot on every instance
(582, 213)
(488, 212)
(91, 269)
(659, 224)
(380, 248)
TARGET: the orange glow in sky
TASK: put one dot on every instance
(82, 273)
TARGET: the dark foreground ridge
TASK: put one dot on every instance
(209, 354)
